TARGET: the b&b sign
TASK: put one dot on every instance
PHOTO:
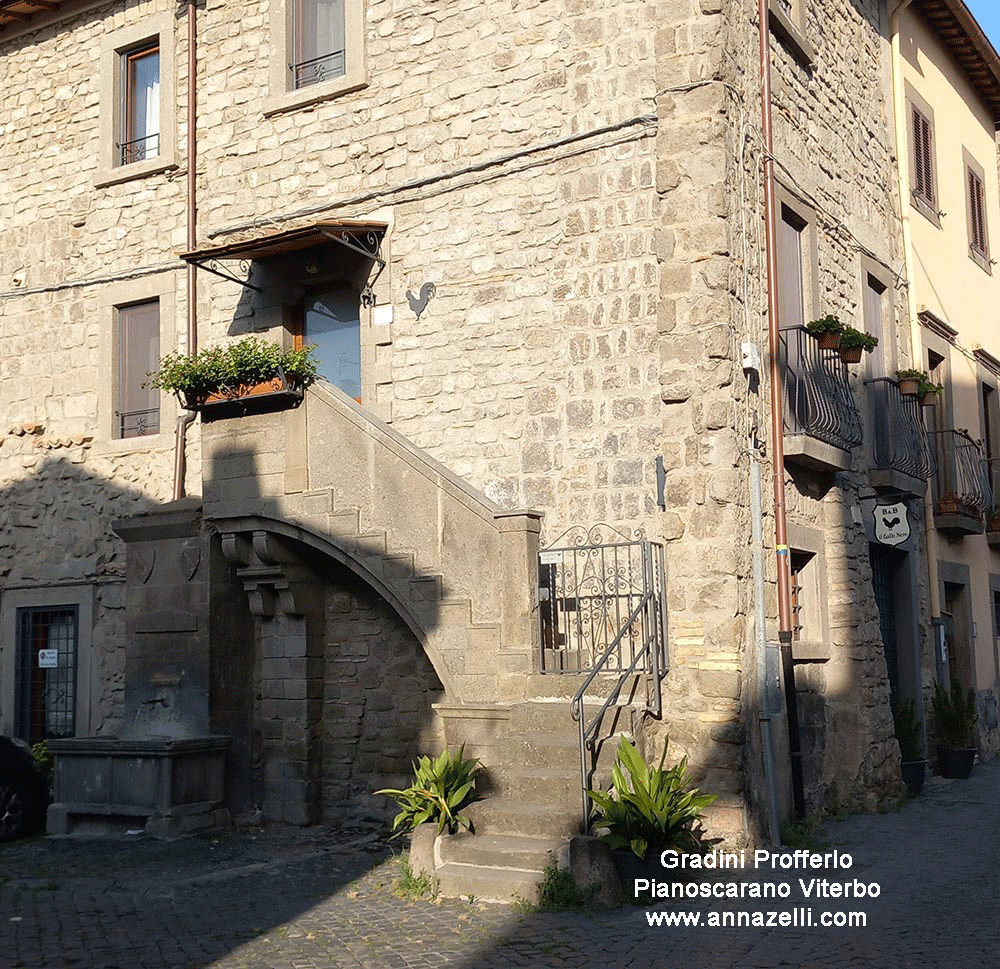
(892, 527)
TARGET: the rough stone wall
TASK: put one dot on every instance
(59, 236)
(532, 372)
(377, 693)
(833, 147)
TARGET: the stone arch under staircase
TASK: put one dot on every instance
(328, 481)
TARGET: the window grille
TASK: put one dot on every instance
(46, 694)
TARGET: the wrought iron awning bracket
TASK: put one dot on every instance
(212, 266)
(370, 248)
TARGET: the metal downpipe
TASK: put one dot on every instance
(777, 421)
(185, 420)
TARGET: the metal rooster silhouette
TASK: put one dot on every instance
(419, 303)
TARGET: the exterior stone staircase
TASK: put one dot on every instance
(534, 805)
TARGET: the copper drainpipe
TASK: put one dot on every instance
(778, 422)
(185, 420)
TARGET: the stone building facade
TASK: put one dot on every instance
(556, 272)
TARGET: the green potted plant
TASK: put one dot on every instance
(441, 788)
(247, 367)
(855, 342)
(955, 723)
(827, 330)
(911, 745)
(928, 392)
(909, 381)
(648, 810)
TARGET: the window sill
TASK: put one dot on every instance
(126, 173)
(790, 34)
(981, 260)
(129, 445)
(925, 210)
(305, 96)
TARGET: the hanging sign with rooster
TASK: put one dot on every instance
(892, 526)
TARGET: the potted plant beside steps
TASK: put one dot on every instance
(648, 810)
(955, 724)
(442, 787)
(247, 370)
(911, 745)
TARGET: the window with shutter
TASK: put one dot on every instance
(923, 153)
(977, 215)
(138, 410)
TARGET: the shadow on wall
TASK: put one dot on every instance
(336, 688)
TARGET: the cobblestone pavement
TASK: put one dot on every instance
(278, 898)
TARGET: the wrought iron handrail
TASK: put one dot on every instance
(653, 648)
(961, 484)
(898, 436)
(818, 398)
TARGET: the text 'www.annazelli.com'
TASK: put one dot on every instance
(802, 918)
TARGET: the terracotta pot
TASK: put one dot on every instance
(830, 340)
(929, 399)
(909, 386)
(851, 354)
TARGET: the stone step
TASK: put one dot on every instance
(487, 884)
(541, 750)
(552, 784)
(529, 819)
(546, 715)
(499, 851)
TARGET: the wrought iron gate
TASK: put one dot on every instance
(601, 592)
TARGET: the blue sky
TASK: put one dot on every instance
(987, 12)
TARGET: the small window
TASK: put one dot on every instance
(138, 405)
(140, 110)
(923, 159)
(45, 705)
(804, 597)
(791, 304)
(978, 242)
(319, 42)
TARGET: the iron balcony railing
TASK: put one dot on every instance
(818, 398)
(139, 149)
(896, 431)
(318, 69)
(993, 512)
(961, 484)
(137, 423)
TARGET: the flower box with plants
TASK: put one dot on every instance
(955, 725)
(855, 342)
(648, 810)
(247, 368)
(909, 381)
(828, 331)
(911, 745)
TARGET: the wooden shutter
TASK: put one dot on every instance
(977, 214)
(923, 167)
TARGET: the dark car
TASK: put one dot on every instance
(24, 791)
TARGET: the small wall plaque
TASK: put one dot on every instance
(48, 659)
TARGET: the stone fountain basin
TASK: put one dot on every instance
(176, 785)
